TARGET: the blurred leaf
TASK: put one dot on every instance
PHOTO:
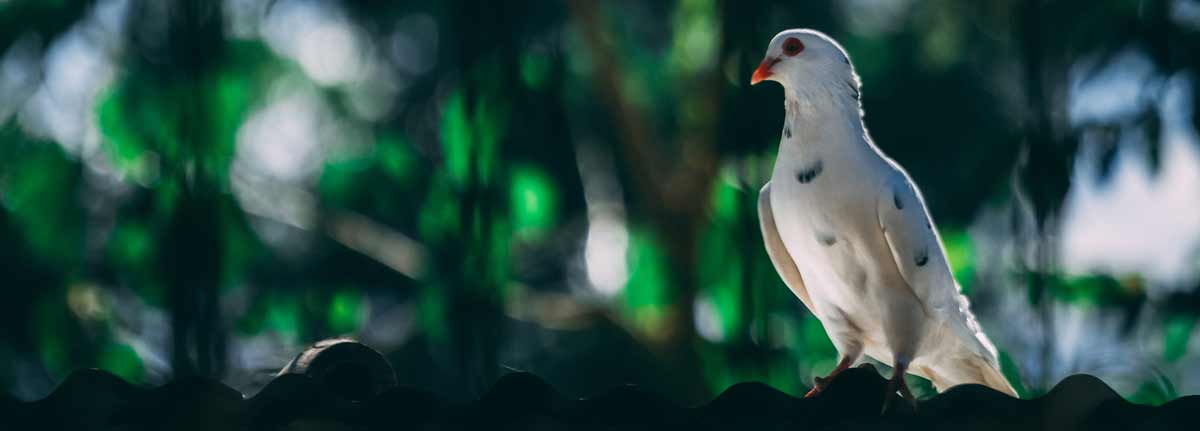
(960, 252)
(696, 37)
(439, 218)
(167, 195)
(648, 293)
(122, 360)
(487, 266)
(920, 387)
(396, 157)
(53, 334)
(1090, 290)
(815, 349)
(39, 187)
(535, 68)
(718, 370)
(132, 249)
(725, 200)
(274, 312)
(283, 316)
(490, 127)
(433, 314)
(230, 98)
(1013, 374)
(1155, 392)
(1177, 333)
(342, 180)
(720, 275)
(132, 244)
(456, 138)
(533, 202)
(1096, 290)
(471, 135)
(125, 147)
(347, 311)
(942, 36)
(721, 270)
(240, 246)
(140, 126)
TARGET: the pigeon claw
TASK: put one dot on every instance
(813, 392)
(820, 383)
(897, 383)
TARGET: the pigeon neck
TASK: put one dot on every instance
(823, 116)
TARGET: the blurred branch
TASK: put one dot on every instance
(297, 207)
(633, 131)
(673, 185)
(379, 242)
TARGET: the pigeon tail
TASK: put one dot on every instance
(975, 370)
(994, 379)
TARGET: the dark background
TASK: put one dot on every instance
(568, 187)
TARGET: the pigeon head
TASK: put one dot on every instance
(803, 59)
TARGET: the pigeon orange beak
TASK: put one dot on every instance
(763, 71)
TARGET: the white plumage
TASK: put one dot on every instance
(849, 233)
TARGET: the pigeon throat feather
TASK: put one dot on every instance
(822, 87)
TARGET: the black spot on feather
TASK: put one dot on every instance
(827, 239)
(896, 200)
(923, 257)
(787, 131)
(806, 176)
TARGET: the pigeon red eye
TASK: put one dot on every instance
(792, 46)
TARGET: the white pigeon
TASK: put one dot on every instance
(849, 233)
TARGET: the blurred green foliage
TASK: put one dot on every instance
(533, 202)
(226, 190)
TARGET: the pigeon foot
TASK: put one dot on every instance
(820, 383)
(897, 383)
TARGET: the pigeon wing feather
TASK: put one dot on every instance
(784, 265)
(917, 250)
(914, 244)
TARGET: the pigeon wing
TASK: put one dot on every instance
(784, 265)
(917, 251)
(914, 244)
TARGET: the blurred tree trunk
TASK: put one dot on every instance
(673, 189)
(1044, 174)
(192, 259)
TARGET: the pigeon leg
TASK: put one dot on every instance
(897, 383)
(820, 383)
